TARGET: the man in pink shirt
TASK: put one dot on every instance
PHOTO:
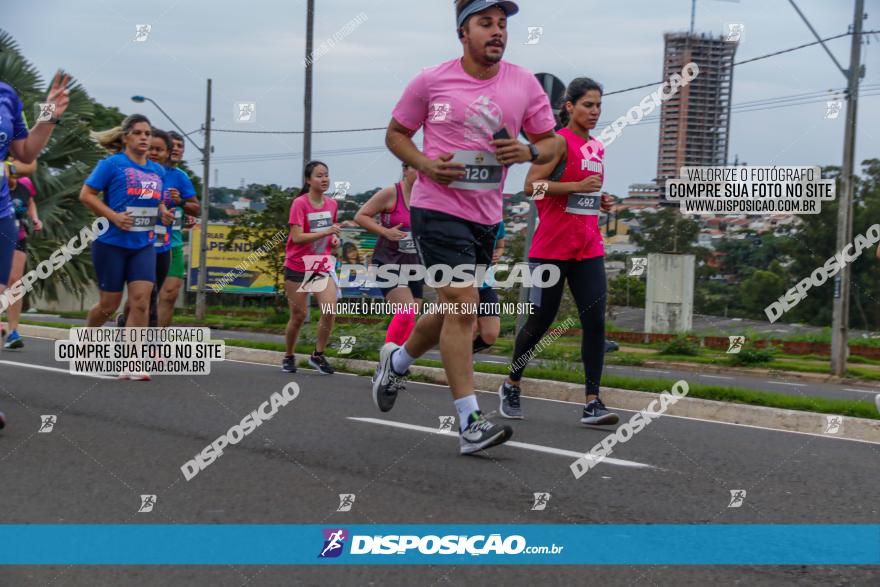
(470, 108)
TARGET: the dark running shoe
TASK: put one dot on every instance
(386, 383)
(2, 420)
(596, 414)
(120, 320)
(288, 365)
(482, 433)
(319, 362)
(509, 397)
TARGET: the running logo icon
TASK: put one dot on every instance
(832, 109)
(47, 424)
(439, 111)
(639, 264)
(346, 500)
(737, 497)
(141, 32)
(535, 33)
(245, 112)
(833, 424)
(734, 32)
(147, 503)
(340, 189)
(317, 274)
(736, 344)
(334, 542)
(539, 189)
(541, 500)
(46, 110)
(447, 423)
(346, 344)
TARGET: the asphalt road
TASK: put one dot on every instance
(781, 385)
(115, 440)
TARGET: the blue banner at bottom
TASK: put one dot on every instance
(758, 544)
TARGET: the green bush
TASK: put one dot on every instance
(680, 345)
(753, 356)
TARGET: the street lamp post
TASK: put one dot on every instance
(205, 204)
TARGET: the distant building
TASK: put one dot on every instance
(695, 121)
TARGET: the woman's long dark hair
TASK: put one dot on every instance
(307, 173)
(574, 92)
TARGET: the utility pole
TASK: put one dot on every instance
(206, 203)
(840, 317)
(307, 102)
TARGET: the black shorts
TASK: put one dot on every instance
(416, 287)
(443, 239)
(488, 299)
(291, 275)
(21, 245)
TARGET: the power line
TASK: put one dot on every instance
(295, 132)
(742, 107)
(654, 84)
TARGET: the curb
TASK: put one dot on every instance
(815, 377)
(851, 428)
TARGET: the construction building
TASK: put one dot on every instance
(695, 122)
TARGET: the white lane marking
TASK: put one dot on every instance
(524, 445)
(56, 370)
(786, 383)
(562, 401)
(871, 391)
(716, 377)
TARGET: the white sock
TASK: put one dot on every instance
(401, 361)
(465, 407)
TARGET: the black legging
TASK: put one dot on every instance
(163, 264)
(586, 279)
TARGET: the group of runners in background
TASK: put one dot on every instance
(445, 210)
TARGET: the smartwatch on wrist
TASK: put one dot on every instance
(534, 151)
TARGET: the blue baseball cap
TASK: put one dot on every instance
(509, 8)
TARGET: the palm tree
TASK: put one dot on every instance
(62, 167)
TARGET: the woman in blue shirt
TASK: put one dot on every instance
(132, 202)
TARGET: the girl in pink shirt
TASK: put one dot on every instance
(309, 265)
(568, 236)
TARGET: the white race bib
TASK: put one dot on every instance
(584, 204)
(144, 218)
(407, 244)
(482, 171)
(319, 220)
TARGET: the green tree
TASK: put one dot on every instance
(267, 229)
(62, 168)
(668, 231)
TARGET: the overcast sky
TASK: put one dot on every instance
(254, 52)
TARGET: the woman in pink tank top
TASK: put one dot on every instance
(395, 246)
(567, 194)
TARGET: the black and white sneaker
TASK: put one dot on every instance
(482, 433)
(319, 362)
(120, 320)
(509, 397)
(288, 365)
(386, 382)
(596, 414)
(2, 420)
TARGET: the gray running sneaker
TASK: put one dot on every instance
(509, 397)
(481, 433)
(386, 383)
(596, 414)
